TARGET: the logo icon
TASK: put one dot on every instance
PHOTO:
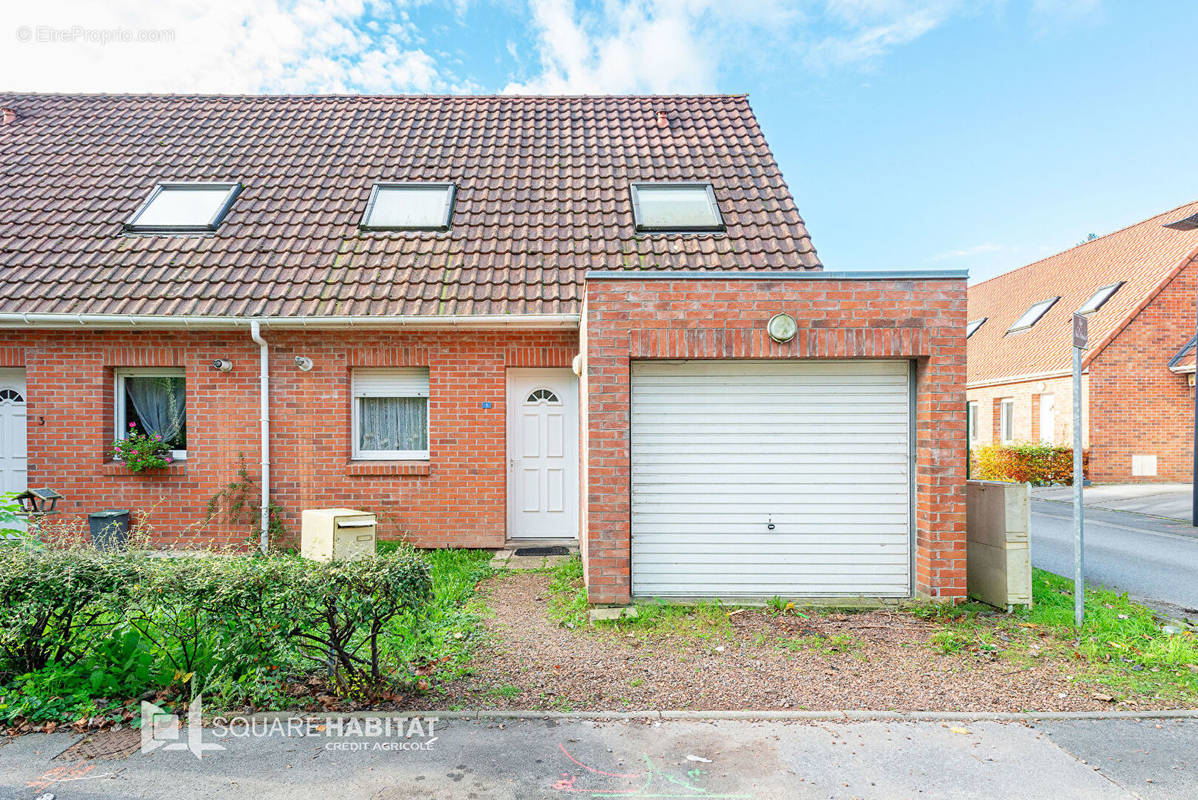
(160, 729)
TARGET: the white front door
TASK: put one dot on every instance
(13, 458)
(1048, 417)
(542, 447)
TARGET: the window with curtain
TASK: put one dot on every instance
(153, 402)
(390, 413)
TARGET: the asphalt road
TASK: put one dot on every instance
(1154, 560)
(523, 760)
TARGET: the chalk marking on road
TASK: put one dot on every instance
(1181, 536)
(689, 788)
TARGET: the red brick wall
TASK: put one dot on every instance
(720, 318)
(1137, 406)
(458, 498)
(1027, 395)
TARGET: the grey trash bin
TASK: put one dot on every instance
(109, 529)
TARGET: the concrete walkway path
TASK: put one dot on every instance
(551, 758)
(1170, 500)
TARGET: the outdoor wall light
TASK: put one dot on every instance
(222, 365)
(304, 363)
(782, 327)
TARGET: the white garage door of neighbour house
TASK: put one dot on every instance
(723, 450)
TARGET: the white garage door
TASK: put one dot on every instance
(723, 450)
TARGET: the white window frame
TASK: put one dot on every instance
(450, 190)
(1099, 298)
(1033, 315)
(972, 327)
(409, 382)
(118, 399)
(231, 192)
(971, 411)
(716, 227)
(1006, 410)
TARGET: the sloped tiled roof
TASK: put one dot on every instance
(1142, 256)
(542, 196)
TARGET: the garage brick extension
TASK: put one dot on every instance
(840, 316)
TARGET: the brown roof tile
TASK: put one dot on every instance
(542, 196)
(1142, 255)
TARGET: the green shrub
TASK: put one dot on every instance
(1024, 462)
(77, 624)
(347, 607)
(53, 604)
(9, 518)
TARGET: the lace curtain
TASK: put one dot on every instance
(393, 423)
(161, 404)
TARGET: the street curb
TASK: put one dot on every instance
(761, 716)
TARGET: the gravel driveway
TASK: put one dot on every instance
(883, 662)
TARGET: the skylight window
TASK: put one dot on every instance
(675, 207)
(184, 207)
(1032, 315)
(409, 207)
(1098, 298)
(973, 326)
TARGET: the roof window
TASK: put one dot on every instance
(1032, 315)
(973, 326)
(1098, 298)
(409, 207)
(676, 208)
(184, 207)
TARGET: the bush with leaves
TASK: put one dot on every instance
(78, 625)
(350, 604)
(53, 604)
(1024, 462)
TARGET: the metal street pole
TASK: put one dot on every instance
(1080, 336)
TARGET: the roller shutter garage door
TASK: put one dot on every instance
(722, 450)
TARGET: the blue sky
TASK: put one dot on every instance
(942, 133)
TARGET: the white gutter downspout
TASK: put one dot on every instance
(264, 427)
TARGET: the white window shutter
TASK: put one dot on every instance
(391, 382)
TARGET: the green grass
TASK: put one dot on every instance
(451, 626)
(568, 605)
(1121, 645)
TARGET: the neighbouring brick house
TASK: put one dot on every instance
(1137, 286)
(423, 279)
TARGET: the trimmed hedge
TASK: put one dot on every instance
(205, 622)
(1025, 462)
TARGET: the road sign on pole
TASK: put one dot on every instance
(1080, 340)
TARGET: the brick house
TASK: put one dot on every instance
(486, 319)
(1137, 286)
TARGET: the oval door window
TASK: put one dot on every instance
(11, 395)
(537, 396)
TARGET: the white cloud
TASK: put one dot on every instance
(218, 46)
(867, 29)
(681, 45)
(644, 45)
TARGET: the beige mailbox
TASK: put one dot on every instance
(337, 534)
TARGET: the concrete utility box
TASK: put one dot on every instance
(337, 534)
(999, 564)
